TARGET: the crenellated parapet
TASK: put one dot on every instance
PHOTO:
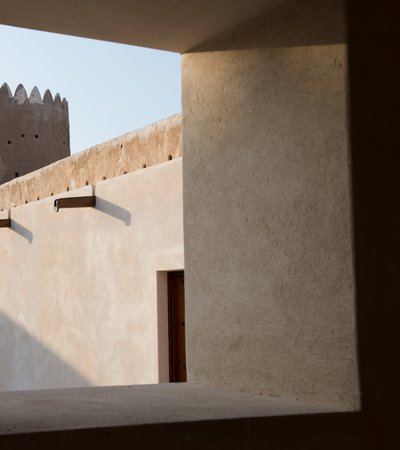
(34, 130)
(20, 97)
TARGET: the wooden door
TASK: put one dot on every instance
(176, 323)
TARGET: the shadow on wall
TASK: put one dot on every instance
(25, 363)
(113, 210)
(22, 231)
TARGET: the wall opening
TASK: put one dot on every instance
(135, 359)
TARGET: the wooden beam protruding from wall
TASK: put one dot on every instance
(75, 202)
(5, 223)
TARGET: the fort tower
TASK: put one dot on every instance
(34, 131)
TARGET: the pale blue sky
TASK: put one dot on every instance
(111, 88)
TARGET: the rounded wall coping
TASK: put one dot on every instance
(148, 146)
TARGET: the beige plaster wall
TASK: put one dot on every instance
(269, 269)
(78, 288)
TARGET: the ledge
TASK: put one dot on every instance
(82, 408)
(167, 416)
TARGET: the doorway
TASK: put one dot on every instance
(176, 327)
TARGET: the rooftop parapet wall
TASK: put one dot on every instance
(146, 147)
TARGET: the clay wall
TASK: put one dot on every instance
(82, 302)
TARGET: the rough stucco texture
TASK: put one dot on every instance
(269, 273)
(78, 288)
(148, 146)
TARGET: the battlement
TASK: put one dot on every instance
(20, 97)
(34, 130)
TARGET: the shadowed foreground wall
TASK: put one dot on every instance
(80, 286)
(269, 270)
